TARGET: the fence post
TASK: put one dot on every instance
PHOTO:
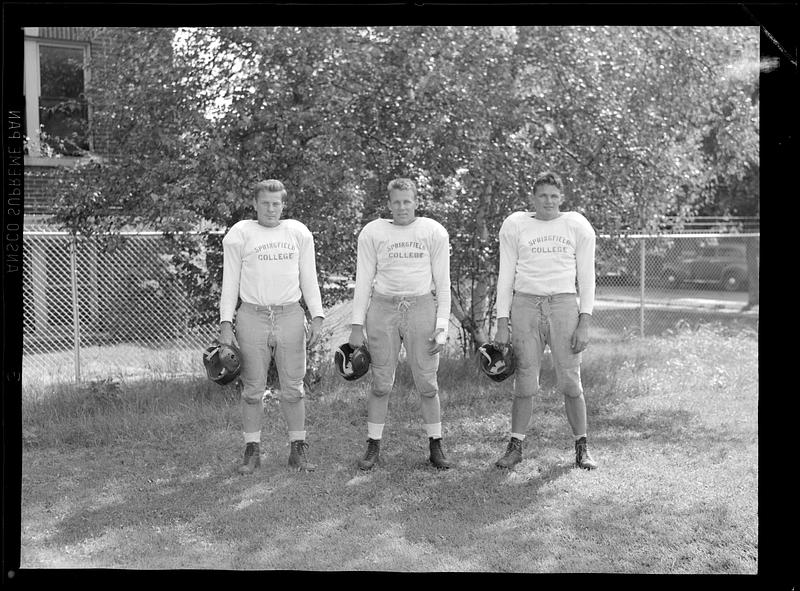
(76, 329)
(641, 285)
(752, 256)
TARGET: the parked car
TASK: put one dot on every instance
(722, 265)
(610, 268)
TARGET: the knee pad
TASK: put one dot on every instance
(572, 391)
(251, 398)
(292, 393)
(569, 382)
(571, 388)
(524, 394)
(379, 392)
(526, 384)
(425, 383)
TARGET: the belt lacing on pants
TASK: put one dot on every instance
(403, 305)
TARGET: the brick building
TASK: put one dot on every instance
(63, 275)
(58, 62)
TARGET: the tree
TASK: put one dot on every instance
(641, 121)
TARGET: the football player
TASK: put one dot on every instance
(543, 253)
(269, 264)
(402, 296)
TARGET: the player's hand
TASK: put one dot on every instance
(356, 339)
(314, 331)
(580, 338)
(226, 335)
(502, 336)
(437, 339)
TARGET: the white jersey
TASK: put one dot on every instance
(397, 260)
(269, 266)
(546, 257)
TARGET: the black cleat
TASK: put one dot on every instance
(297, 457)
(582, 457)
(437, 455)
(372, 456)
(252, 459)
(513, 455)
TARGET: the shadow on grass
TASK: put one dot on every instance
(276, 503)
(333, 518)
(320, 520)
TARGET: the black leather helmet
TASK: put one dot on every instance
(351, 363)
(223, 363)
(495, 361)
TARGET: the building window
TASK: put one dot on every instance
(56, 110)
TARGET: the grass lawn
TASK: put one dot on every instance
(143, 476)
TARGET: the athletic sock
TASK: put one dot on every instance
(434, 430)
(254, 437)
(520, 436)
(297, 436)
(374, 430)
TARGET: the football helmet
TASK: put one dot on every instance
(223, 363)
(351, 363)
(495, 361)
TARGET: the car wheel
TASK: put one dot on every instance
(733, 281)
(671, 278)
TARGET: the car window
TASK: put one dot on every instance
(732, 252)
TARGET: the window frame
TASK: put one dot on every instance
(32, 91)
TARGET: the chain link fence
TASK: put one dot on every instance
(95, 308)
(653, 284)
(104, 308)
